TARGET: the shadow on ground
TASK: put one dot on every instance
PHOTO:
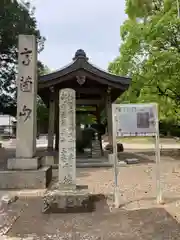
(166, 200)
(148, 156)
(146, 224)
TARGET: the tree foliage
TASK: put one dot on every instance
(15, 19)
(150, 53)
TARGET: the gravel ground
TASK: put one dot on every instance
(139, 217)
(154, 223)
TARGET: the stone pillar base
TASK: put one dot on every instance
(24, 163)
(47, 161)
(27, 179)
(64, 187)
(67, 202)
(57, 200)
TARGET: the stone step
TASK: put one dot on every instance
(93, 165)
(91, 161)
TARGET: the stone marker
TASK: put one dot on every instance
(26, 97)
(96, 148)
(26, 106)
(67, 138)
(65, 196)
(25, 170)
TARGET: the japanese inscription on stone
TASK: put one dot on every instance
(25, 82)
(26, 113)
(67, 161)
(26, 53)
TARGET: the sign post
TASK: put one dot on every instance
(131, 120)
(158, 161)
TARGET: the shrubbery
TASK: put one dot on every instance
(169, 129)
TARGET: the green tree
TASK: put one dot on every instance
(42, 116)
(150, 53)
(15, 19)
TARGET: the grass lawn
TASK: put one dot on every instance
(136, 139)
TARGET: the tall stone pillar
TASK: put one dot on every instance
(26, 105)
(51, 122)
(67, 138)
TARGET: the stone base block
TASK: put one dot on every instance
(27, 179)
(122, 164)
(65, 187)
(47, 161)
(67, 201)
(23, 163)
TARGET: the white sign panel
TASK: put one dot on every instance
(135, 119)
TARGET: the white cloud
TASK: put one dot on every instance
(89, 24)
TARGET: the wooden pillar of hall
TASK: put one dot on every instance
(98, 119)
(109, 116)
(51, 120)
(57, 121)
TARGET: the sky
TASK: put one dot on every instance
(68, 25)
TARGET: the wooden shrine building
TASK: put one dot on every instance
(94, 87)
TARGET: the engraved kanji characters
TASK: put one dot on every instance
(27, 58)
(66, 97)
(26, 113)
(67, 179)
(63, 154)
(26, 84)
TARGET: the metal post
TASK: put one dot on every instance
(158, 162)
(114, 133)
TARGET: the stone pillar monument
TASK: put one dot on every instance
(64, 196)
(26, 105)
(67, 138)
(28, 170)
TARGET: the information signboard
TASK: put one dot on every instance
(136, 120)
